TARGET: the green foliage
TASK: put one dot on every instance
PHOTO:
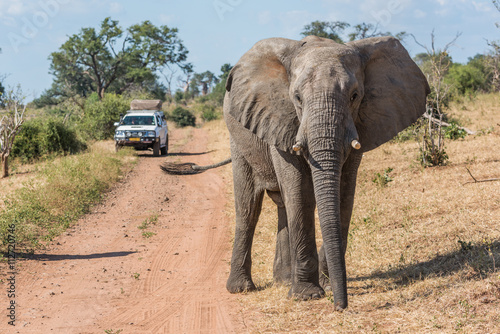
(39, 138)
(432, 155)
(205, 80)
(335, 29)
(467, 79)
(331, 30)
(454, 132)
(182, 117)
(219, 90)
(97, 122)
(105, 61)
(209, 113)
(381, 180)
(64, 190)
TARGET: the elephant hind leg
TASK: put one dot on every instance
(282, 268)
(248, 204)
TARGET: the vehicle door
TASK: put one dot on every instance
(163, 129)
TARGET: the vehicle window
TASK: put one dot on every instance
(138, 120)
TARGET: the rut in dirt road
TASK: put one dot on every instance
(169, 277)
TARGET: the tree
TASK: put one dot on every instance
(98, 61)
(467, 79)
(435, 67)
(218, 92)
(206, 80)
(2, 78)
(331, 30)
(225, 69)
(334, 30)
(10, 125)
(493, 65)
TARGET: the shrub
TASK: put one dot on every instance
(182, 117)
(64, 190)
(39, 138)
(453, 132)
(381, 180)
(97, 122)
(209, 113)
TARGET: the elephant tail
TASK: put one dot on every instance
(189, 168)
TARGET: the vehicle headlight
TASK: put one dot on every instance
(127, 134)
(120, 133)
(151, 134)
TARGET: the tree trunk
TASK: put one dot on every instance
(5, 165)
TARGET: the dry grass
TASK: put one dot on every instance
(43, 203)
(424, 251)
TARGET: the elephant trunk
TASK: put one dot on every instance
(325, 136)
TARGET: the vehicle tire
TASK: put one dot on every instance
(164, 149)
(156, 148)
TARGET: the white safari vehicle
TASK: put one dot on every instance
(143, 127)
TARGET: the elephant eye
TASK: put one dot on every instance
(354, 96)
(297, 97)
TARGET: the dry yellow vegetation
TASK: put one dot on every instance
(424, 250)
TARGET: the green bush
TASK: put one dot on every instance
(381, 180)
(209, 113)
(64, 190)
(182, 117)
(453, 132)
(97, 122)
(40, 138)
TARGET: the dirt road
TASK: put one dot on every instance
(106, 274)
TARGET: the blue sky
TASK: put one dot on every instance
(220, 31)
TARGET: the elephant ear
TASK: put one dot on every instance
(257, 88)
(395, 91)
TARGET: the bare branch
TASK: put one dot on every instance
(10, 125)
(443, 123)
(479, 181)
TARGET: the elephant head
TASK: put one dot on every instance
(322, 99)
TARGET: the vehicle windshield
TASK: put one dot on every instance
(138, 120)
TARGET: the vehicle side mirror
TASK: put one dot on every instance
(116, 123)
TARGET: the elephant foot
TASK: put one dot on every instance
(306, 291)
(239, 284)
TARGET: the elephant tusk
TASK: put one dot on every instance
(298, 147)
(355, 144)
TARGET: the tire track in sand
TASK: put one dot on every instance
(104, 275)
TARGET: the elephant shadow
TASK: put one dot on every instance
(476, 260)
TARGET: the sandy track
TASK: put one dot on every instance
(103, 274)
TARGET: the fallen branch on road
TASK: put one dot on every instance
(189, 168)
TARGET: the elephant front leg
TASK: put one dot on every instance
(248, 204)
(304, 256)
(299, 203)
(282, 268)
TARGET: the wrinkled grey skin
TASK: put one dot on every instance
(322, 95)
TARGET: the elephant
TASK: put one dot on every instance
(300, 115)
